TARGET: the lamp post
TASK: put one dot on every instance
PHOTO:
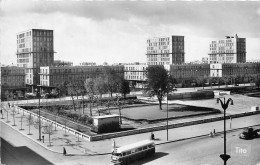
(167, 116)
(224, 105)
(39, 96)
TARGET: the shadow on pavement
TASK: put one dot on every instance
(157, 155)
(20, 155)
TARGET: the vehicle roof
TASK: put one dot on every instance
(133, 146)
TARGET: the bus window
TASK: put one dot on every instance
(124, 153)
(145, 147)
(139, 149)
(128, 153)
(116, 154)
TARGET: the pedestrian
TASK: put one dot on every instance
(64, 151)
(210, 133)
(214, 132)
(42, 138)
(114, 144)
(152, 136)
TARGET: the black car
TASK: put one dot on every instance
(249, 133)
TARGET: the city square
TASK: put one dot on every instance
(125, 82)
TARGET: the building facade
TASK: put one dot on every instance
(190, 71)
(135, 74)
(62, 63)
(34, 49)
(165, 50)
(12, 82)
(229, 50)
(51, 76)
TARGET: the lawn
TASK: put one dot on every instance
(152, 112)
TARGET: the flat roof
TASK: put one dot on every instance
(105, 116)
(133, 146)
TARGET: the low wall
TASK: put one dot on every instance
(163, 127)
(198, 94)
(135, 131)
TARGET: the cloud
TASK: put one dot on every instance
(218, 18)
(117, 31)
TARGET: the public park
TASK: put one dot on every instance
(94, 118)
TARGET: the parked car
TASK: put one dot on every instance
(249, 133)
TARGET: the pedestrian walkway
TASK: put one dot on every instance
(78, 146)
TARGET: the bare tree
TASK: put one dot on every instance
(30, 122)
(48, 129)
(108, 104)
(71, 92)
(120, 106)
(90, 90)
(13, 108)
(78, 129)
(65, 128)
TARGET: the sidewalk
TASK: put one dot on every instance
(83, 147)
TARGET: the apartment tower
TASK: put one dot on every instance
(165, 50)
(229, 50)
(34, 49)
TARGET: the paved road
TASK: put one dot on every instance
(206, 151)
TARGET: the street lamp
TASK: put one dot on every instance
(224, 105)
(39, 96)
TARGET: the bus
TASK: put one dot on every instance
(132, 152)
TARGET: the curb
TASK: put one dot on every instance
(193, 137)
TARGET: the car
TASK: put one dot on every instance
(249, 133)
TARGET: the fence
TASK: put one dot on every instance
(58, 125)
(136, 131)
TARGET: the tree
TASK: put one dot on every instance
(108, 104)
(238, 79)
(100, 87)
(48, 129)
(72, 92)
(157, 81)
(124, 88)
(13, 115)
(78, 129)
(120, 106)
(30, 122)
(90, 90)
(65, 123)
(112, 80)
(257, 82)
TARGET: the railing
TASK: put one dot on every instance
(58, 125)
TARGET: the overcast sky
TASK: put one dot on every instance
(117, 31)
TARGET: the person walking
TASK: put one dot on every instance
(42, 138)
(114, 144)
(64, 151)
(152, 136)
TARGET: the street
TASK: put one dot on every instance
(206, 150)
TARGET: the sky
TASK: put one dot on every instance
(117, 31)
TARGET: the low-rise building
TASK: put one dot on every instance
(51, 76)
(135, 74)
(190, 71)
(62, 63)
(12, 82)
(107, 123)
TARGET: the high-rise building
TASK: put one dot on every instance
(34, 49)
(229, 50)
(165, 50)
